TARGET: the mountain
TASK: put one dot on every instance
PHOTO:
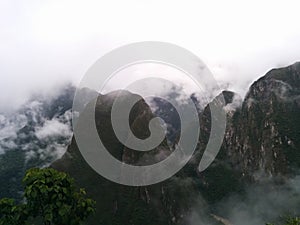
(265, 137)
(118, 204)
(35, 135)
(165, 203)
(262, 136)
(261, 140)
(261, 143)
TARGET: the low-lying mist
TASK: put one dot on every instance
(270, 200)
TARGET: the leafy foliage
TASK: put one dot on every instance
(12, 214)
(50, 196)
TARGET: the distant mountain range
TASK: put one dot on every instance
(261, 148)
(34, 136)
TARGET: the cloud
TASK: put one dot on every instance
(54, 135)
(41, 128)
(266, 201)
(10, 125)
(237, 102)
(40, 52)
(53, 129)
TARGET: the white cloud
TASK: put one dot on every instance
(43, 44)
(53, 128)
(236, 103)
(9, 126)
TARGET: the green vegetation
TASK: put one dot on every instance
(289, 221)
(50, 198)
(12, 214)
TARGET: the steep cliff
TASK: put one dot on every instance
(164, 203)
(265, 137)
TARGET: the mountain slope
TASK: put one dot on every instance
(118, 204)
(265, 137)
(262, 138)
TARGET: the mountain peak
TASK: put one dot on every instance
(289, 74)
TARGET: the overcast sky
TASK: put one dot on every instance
(45, 43)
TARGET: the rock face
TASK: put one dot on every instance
(265, 136)
(262, 138)
(118, 204)
(221, 178)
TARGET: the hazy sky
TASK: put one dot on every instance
(44, 43)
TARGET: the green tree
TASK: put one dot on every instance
(12, 214)
(50, 196)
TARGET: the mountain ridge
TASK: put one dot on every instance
(251, 146)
